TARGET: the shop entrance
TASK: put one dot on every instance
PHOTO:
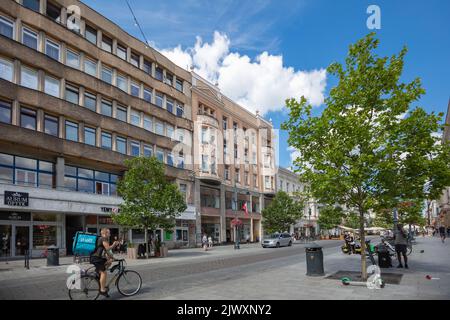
(73, 224)
(5, 240)
(14, 240)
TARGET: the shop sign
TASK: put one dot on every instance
(15, 216)
(109, 209)
(18, 199)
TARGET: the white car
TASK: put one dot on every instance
(277, 240)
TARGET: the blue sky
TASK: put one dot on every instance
(308, 34)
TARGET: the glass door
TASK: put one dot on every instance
(22, 240)
(5, 240)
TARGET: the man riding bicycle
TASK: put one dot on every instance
(102, 258)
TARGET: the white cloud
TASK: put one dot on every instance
(261, 84)
(293, 154)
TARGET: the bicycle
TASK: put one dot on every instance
(127, 282)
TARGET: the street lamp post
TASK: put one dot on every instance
(309, 221)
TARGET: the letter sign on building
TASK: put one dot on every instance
(17, 199)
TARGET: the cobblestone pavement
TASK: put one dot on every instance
(256, 273)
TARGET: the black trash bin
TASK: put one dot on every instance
(314, 260)
(52, 256)
(384, 258)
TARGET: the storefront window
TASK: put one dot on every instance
(44, 236)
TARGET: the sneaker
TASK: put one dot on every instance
(104, 293)
(400, 266)
(406, 266)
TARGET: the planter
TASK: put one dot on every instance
(132, 253)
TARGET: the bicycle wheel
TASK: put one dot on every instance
(129, 283)
(89, 289)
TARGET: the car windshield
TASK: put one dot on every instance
(273, 235)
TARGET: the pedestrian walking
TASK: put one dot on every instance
(205, 242)
(210, 242)
(401, 243)
(442, 233)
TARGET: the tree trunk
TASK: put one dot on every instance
(363, 246)
(146, 242)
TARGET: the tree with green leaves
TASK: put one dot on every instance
(150, 200)
(367, 148)
(330, 217)
(282, 212)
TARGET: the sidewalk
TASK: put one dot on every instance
(291, 282)
(15, 269)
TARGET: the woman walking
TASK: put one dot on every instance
(401, 243)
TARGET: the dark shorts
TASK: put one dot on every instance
(99, 263)
(400, 248)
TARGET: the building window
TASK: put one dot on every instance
(224, 123)
(159, 99)
(148, 151)
(135, 89)
(148, 123)
(72, 95)
(53, 12)
(6, 70)
(238, 176)
(122, 82)
(106, 141)
(90, 67)
(5, 112)
(148, 67)
(29, 78)
(121, 145)
(159, 128)
(106, 108)
(159, 74)
(31, 4)
(90, 101)
(28, 118)
(179, 85)
(180, 110)
(121, 114)
(235, 151)
(135, 118)
(90, 181)
(183, 190)
(169, 105)
(73, 59)
(225, 148)
(247, 181)
(205, 163)
(160, 155)
(255, 180)
(135, 149)
(213, 166)
(26, 171)
(227, 172)
(169, 79)
(52, 86)
(122, 52)
(90, 136)
(6, 27)
(180, 135)
(134, 60)
(51, 125)
(106, 43)
(52, 49)
(170, 159)
(107, 74)
(148, 95)
(267, 182)
(181, 160)
(170, 131)
(91, 35)
(71, 131)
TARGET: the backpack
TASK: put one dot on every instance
(84, 243)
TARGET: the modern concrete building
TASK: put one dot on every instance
(288, 181)
(234, 164)
(78, 96)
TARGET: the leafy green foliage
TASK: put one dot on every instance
(330, 217)
(282, 212)
(150, 200)
(367, 149)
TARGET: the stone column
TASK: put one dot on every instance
(223, 219)
(59, 173)
(198, 224)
